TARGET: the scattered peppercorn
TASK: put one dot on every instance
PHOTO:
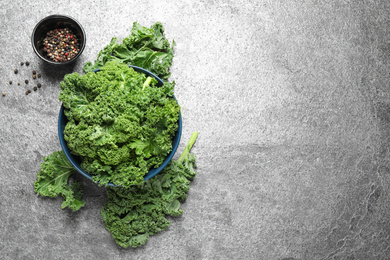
(27, 63)
(22, 63)
(39, 75)
(27, 92)
(60, 45)
(26, 81)
(39, 85)
(34, 72)
(35, 88)
(10, 82)
(34, 76)
(3, 94)
(15, 71)
(18, 83)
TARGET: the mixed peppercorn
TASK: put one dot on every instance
(60, 45)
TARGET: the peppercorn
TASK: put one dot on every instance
(27, 92)
(35, 88)
(27, 63)
(26, 81)
(18, 83)
(34, 72)
(10, 82)
(58, 45)
(34, 76)
(22, 63)
(3, 94)
(39, 75)
(15, 71)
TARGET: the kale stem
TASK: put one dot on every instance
(140, 49)
(147, 82)
(188, 147)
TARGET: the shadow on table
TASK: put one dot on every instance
(56, 72)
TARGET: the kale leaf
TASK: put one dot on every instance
(145, 47)
(53, 180)
(132, 214)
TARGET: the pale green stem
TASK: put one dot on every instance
(146, 83)
(189, 146)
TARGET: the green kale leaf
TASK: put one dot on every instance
(145, 47)
(53, 180)
(133, 214)
(120, 123)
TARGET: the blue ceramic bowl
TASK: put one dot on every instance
(75, 161)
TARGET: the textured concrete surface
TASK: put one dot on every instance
(292, 104)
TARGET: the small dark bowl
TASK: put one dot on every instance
(56, 22)
(75, 161)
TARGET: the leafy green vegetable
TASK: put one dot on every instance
(132, 214)
(145, 47)
(120, 123)
(53, 180)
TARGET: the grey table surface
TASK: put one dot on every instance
(291, 100)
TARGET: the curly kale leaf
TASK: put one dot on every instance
(120, 123)
(145, 47)
(133, 214)
(53, 181)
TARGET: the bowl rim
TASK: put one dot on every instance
(152, 172)
(58, 16)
